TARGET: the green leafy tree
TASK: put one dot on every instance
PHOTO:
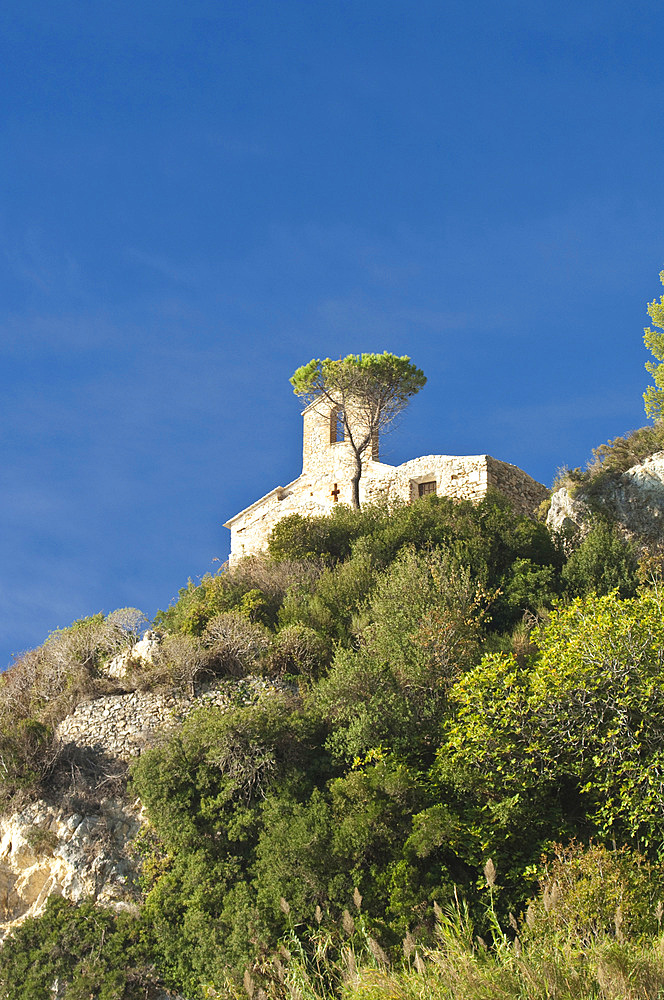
(371, 389)
(653, 397)
(574, 739)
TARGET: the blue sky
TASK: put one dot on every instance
(199, 197)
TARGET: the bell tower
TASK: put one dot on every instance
(324, 438)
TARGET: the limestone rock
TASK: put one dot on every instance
(568, 513)
(634, 500)
(44, 850)
(145, 649)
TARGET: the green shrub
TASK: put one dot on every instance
(614, 457)
(80, 950)
(41, 839)
(572, 741)
(28, 752)
(590, 894)
(604, 561)
(338, 594)
(298, 649)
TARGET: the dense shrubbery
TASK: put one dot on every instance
(85, 951)
(461, 688)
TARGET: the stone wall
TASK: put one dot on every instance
(122, 725)
(524, 492)
(327, 468)
(316, 492)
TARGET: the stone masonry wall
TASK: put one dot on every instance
(122, 725)
(327, 468)
(525, 493)
(460, 477)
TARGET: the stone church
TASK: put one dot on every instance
(327, 467)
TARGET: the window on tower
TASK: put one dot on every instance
(337, 426)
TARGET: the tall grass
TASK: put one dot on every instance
(347, 963)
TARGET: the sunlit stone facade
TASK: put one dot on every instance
(327, 467)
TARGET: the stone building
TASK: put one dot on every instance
(327, 467)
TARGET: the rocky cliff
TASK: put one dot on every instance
(82, 848)
(633, 500)
(45, 849)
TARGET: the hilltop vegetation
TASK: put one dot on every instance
(468, 748)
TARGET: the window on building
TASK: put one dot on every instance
(337, 428)
(424, 488)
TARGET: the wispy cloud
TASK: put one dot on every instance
(42, 264)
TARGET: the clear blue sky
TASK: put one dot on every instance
(198, 197)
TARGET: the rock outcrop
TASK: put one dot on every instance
(45, 850)
(145, 650)
(634, 500)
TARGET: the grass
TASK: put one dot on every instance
(319, 965)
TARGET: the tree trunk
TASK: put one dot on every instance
(355, 482)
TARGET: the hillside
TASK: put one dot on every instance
(415, 750)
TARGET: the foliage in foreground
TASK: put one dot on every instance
(593, 931)
(440, 765)
(459, 687)
(653, 397)
(77, 952)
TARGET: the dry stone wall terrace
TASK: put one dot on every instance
(122, 725)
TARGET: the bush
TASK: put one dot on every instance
(572, 741)
(420, 628)
(336, 597)
(632, 449)
(178, 662)
(604, 561)
(28, 752)
(590, 894)
(298, 649)
(615, 456)
(255, 586)
(236, 644)
(48, 682)
(77, 951)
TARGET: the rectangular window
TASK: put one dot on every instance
(337, 425)
(424, 488)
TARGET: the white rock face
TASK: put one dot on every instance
(145, 649)
(567, 513)
(44, 850)
(633, 499)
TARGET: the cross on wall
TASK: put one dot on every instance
(335, 493)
